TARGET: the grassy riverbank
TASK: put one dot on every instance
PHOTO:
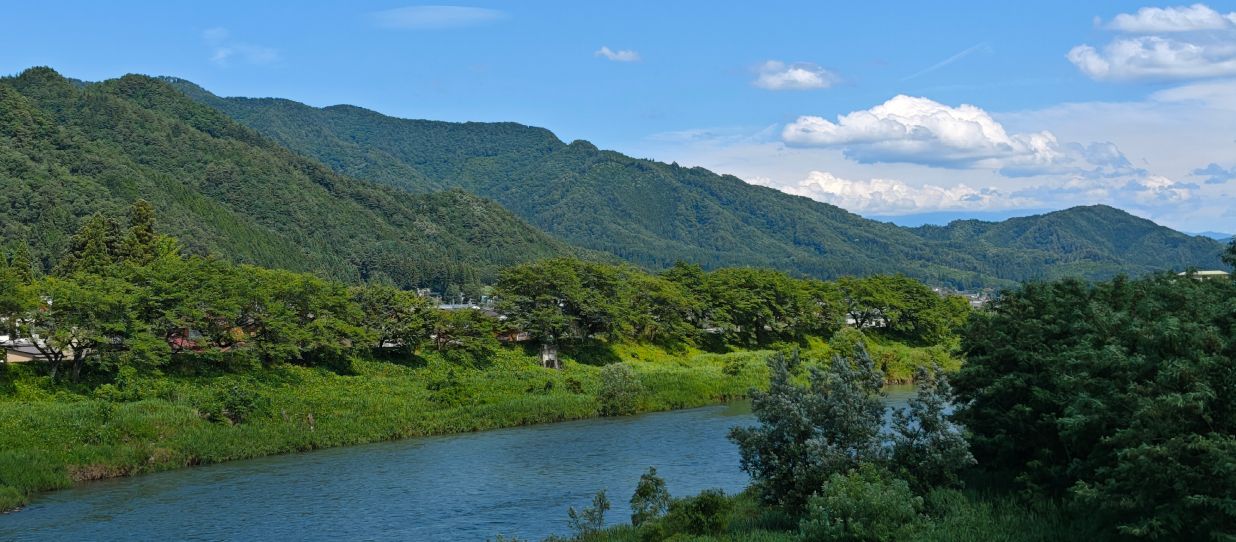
(54, 435)
(51, 437)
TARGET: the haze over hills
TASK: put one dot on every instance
(652, 213)
(69, 149)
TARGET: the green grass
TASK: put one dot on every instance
(52, 436)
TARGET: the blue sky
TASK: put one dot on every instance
(885, 108)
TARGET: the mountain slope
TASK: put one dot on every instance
(68, 150)
(1095, 240)
(653, 213)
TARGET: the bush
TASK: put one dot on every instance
(929, 450)
(231, 400)
(651, 499)
(866, 504)
(620, 389)
(591, 519)
(705, 514)
(807, 434)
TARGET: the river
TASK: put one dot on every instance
(515, 482)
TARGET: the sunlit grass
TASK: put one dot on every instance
(52, 436)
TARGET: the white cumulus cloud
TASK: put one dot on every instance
(777, 75)
(1155, 57)
(1151, 20)
(1185, 42)
(625, 55)
(922, 131)
(888, 196)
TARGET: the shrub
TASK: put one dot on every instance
(651, 499)
(929, 450)
(620, 389)
(705, 514)
(591, 519)
(807, 434)
(866, 504)
(231, 400)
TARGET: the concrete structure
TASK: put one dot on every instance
(1203, 275)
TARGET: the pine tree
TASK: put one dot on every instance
(93, 248)
(140, 241)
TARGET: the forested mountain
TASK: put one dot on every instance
(69, 149)
(1090, 241)
(652, 213)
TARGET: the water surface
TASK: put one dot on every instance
(516, 482)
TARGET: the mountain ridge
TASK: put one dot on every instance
(652, 213)
(68, 150)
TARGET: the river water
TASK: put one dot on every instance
(515, 482)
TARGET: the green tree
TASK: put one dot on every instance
(757, 306)
(590, 520)
(928, 449)
(651, 499)
(141, 242)
(1229, 255)
(15, 299)
(394, 317)
(294, 316)
(21, 262)
(83, 320)
(808, 434)
(95, 248)
(466, 332)
(1115, 394)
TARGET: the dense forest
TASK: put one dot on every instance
(653, 214)
(1099, 411)
(69, 150)
(129, 330)
(124, 295)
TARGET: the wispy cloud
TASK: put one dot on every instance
(433, 17)
(980, 48)
(225, 50)
(1191, 42)
(1150, 20)
(890, 196)
(1215, 174)
(777, 75)
(624, 55)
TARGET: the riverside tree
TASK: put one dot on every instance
(806, 435)
(1118, 395)
(929, 450)
(651, 499)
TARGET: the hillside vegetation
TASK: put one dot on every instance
(68, 150)
(653, 214)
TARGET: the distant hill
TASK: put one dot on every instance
(69, 149)
(1217, 236)
(1090, 241)
(652, 213)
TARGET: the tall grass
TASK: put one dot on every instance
(52, 436)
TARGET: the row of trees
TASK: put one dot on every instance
(564, 300)
(125, 295)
